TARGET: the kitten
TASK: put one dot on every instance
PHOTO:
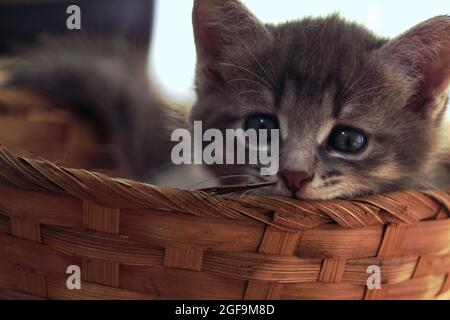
(358, 114)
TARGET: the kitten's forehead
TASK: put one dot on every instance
(306, 114)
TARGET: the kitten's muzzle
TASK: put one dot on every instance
(296, 180)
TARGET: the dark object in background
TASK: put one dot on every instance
(21, 22)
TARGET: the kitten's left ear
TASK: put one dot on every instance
(223, 30)
(221, 23)
(423, 55)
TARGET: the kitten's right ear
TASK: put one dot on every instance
(221, 26)
(422, 55)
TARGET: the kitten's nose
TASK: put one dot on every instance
(296, 180)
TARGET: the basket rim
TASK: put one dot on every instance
(39, 175)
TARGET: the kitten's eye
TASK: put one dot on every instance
(261, 122)
(347, 140)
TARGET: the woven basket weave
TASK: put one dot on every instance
(136, 241)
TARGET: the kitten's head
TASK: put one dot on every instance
(357, 114)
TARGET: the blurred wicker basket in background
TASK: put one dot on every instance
(136, 241)
(31, 125)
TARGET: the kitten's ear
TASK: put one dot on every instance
(423, 54)
(222, 24)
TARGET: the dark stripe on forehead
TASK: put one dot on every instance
(338, 105)
(288, 77)
(279, 93)
(338, 100)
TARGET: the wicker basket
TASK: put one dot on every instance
(34, 126)
(136, 241)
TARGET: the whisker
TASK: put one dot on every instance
(367, 95)
(358, 80)
(248, 193)
(249, 71)
(368, 92)
(258, 94)
(237, 188)
(272, 79)
(152, 171)
(355, 66)
(249, 80)
(217, 179)
(274, 75)
(423, 182)
(372, 89)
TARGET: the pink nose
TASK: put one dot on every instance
(295, 181)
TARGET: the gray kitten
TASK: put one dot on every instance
(358, 114)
